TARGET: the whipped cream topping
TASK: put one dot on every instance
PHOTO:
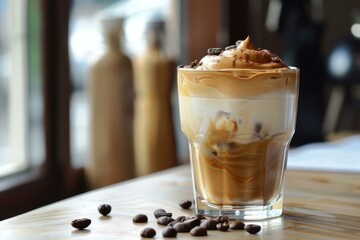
(243, 55)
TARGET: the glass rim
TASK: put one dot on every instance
(224, 70)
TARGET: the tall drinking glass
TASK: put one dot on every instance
(239, 123)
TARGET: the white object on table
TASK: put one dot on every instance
(340, 156)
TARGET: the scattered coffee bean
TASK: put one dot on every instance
(148, 233)
(104, 209)
(222, 226)
(198, 232)
(173, 223)
(193, 221)
(222, 219)
(252, 228)
(214, 51)
(185, 204)
(198, 216)
(81, 223)
(164, 220)
(230, 47)
(237, 225)
(183, 227)
(180, 66)
(169, 232)
(209, 224)
(140, 218)
(161, 212)
(180, 218)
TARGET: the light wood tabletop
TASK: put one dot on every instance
(317, 205)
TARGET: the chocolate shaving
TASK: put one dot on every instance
(214, 51)
(194, 63)
(230, 47)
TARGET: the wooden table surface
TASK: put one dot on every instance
(317, 206)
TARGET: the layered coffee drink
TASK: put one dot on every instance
(238, 110)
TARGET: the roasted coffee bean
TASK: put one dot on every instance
(173, 223)
(169, 232)
(148, 233)
(140, 218)
(180, 218)
(214, 51)
(237, 225)
(198, 232)
(81, 223)
(209, 224)
(185, 204)
(193, 221)
(180, 66)
(230, 47)
(104, 209)
(164, 220)
(222, 219)
(198, 216)
(252, 228)
(161, 212)
(222, 226)
(183, 227)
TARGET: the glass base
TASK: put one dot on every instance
(252, 212)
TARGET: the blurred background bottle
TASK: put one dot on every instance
(111, 110)
(154, 131)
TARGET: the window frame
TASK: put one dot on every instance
(54, 179)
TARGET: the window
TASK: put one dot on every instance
(21, 143)
(34, 111)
